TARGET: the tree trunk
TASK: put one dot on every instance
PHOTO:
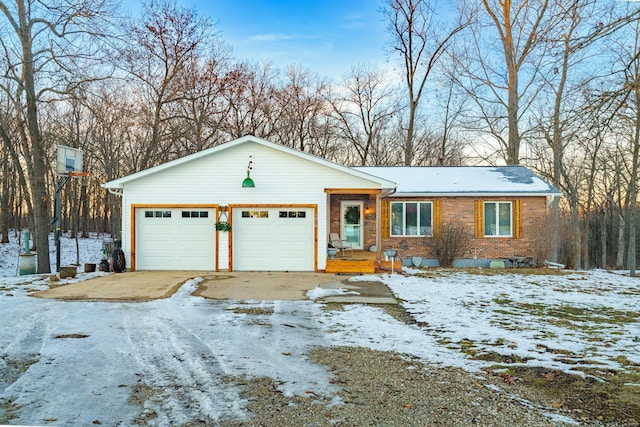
(554, 230)
(603, 238)
(620, 252)
(631, 254)
(408, 147)
(633, 184)
(5, 209)
(84, 210)
(513, 145)
(38, 172)
(585, 241)
(576, 248)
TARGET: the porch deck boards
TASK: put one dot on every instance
(362, 262)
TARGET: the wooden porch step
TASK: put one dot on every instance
(351, 265)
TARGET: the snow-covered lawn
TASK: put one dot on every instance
(88, 250)
(165, 361)
(570, 322)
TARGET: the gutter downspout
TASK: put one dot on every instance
(379, 224)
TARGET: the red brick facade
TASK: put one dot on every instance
(459, 210)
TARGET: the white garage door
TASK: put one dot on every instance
(273, 239)
(175, 239)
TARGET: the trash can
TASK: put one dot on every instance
(27, 264)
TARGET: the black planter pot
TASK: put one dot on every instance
(104, 265)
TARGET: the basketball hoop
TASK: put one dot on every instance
(77, 174)
(68, 165)
(68, 161)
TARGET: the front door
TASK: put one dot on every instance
(352, 224)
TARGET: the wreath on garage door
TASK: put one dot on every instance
(223, 226)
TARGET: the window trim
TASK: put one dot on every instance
(404, 218)
(497, 203)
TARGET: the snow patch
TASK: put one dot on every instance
(319, 292)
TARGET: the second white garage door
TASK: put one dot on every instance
(273, 239)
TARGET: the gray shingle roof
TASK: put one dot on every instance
(463, 180)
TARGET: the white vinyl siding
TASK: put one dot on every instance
(216, 179)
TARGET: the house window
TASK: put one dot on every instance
(411, 219)
(497, 219)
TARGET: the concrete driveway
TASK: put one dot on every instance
(150, 285)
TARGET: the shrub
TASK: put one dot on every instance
(450, 243)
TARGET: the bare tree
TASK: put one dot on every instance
(504, 89)
(158, 49)
(251, 101)
(200, 114)
(581, 25)
(420, 39)
(44, 46)
(453, 105)
(363, 108)
(5, 207)
(630, 109)
(111, 128)
(301, 109)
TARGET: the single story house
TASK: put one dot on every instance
(253, 205)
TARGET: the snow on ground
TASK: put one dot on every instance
(80, 362)
(90, 251)
(568, 322)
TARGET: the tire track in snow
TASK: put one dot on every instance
(27, 337)
(178, 364)
(28, 332)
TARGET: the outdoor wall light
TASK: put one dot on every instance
(248, 182)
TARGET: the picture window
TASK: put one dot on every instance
(411, 219)
(497, 219)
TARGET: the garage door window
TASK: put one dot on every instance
(292, 214)
(157, 214)
(195, 214)
(255, 214)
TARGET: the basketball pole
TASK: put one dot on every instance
(62, 180)
(68, 165)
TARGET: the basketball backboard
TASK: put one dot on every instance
(68, 160)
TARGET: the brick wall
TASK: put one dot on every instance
(462, 210)
(454, 210)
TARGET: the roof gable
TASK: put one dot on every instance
(464, 180)
(119, 183)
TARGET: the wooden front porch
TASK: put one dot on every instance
(362, 262)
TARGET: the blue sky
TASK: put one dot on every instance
(328, 37)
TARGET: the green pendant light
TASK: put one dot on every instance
(248, 182)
